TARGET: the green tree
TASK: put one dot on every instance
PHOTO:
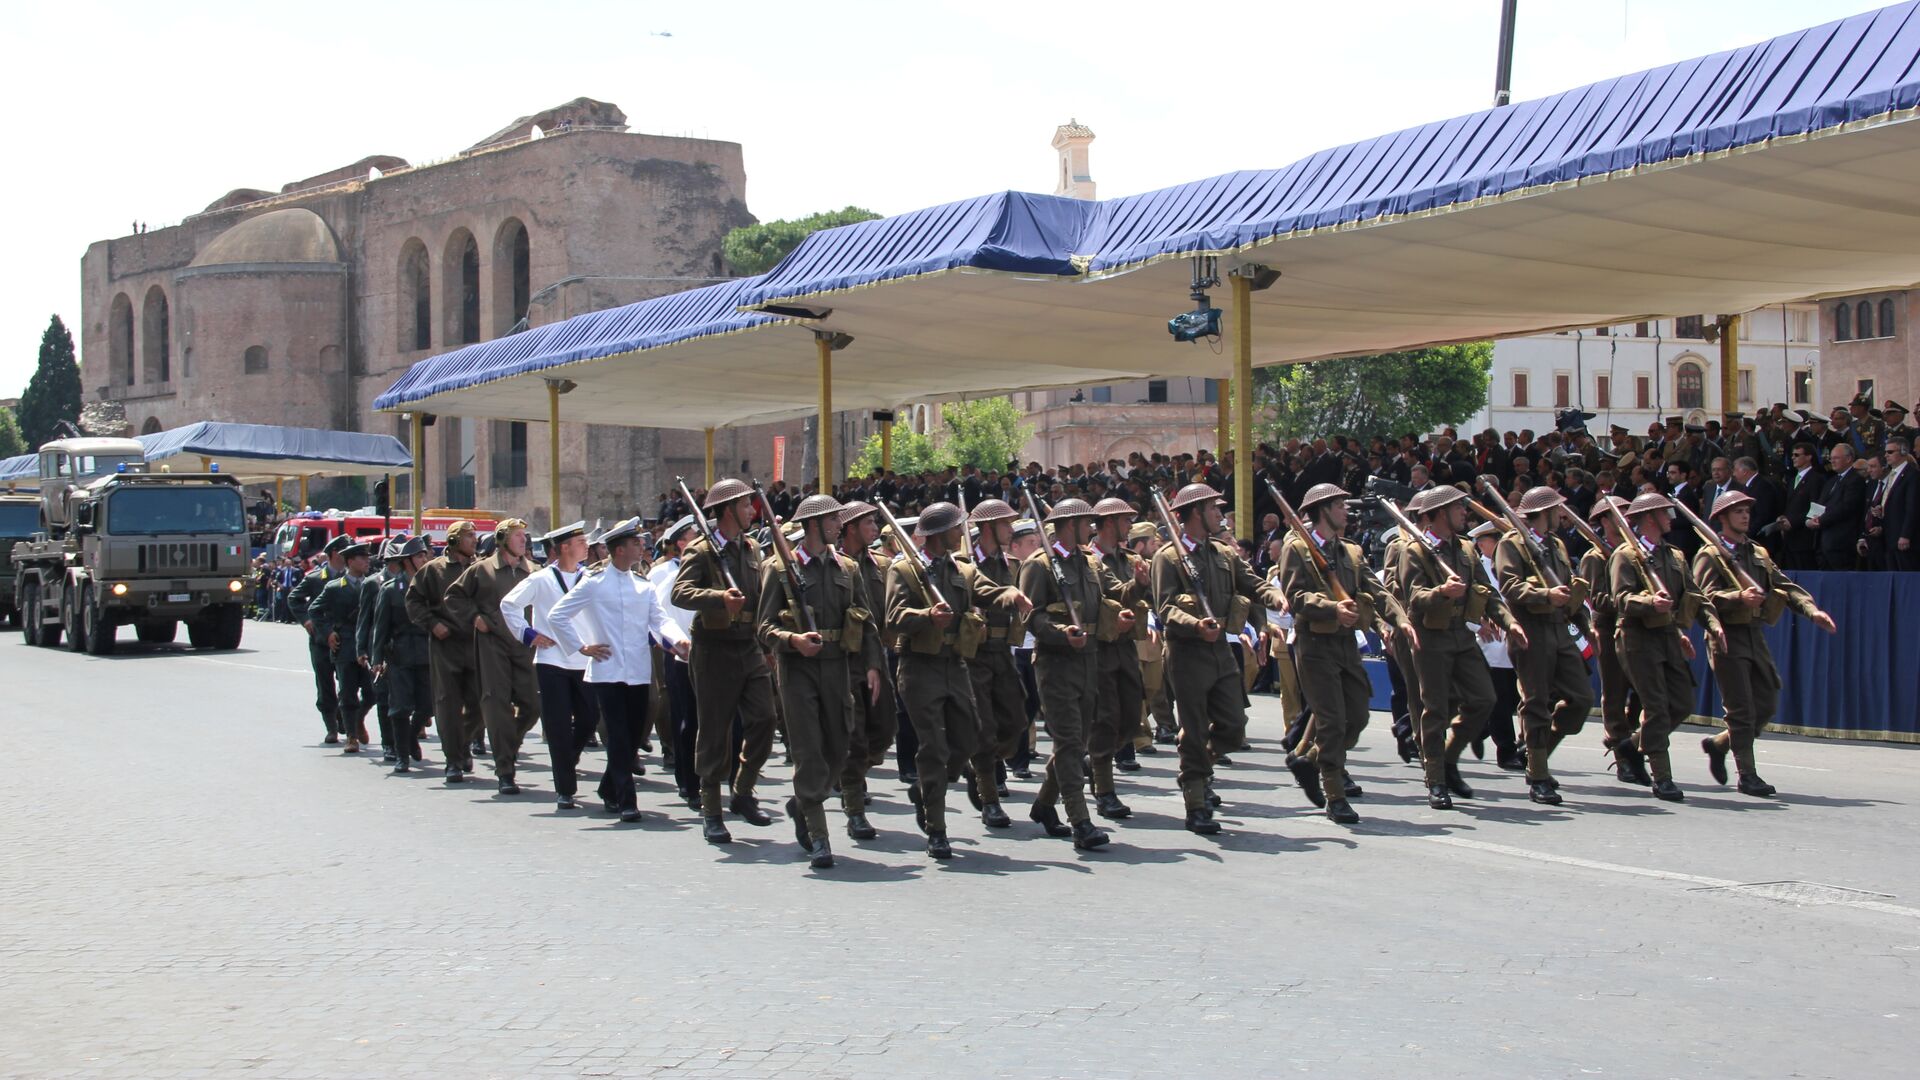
(1389, 394)
(53, 394)
(986, 434)
(11, 443)
(756, 249)
(912, 453)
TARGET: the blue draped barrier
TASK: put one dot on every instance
(1862, 683)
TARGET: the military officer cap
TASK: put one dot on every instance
(814, 506)
(625, 530)
(1674, 421)
(337, 545)
(1647, 503)
(1485, 528)
(1142, 530)
(1727, 501)
(1540, 498)
(725, 492)
(1618, 429)
(987, 510)
(1110, 506)
(1600, 508)
(1320, 493)
(1817, 419)
(564, 532)
(1697, 429)
(939, 518)
(1191, 494)
(852, 512)
(391, 551)
(412, 546)
(673, 531)
(355, 548)
(1069, 508)
(1026, 527)
(1894, 406)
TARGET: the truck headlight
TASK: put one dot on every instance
(234, 586)
(119, 588)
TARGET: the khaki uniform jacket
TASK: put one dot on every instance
(1311, 601)
(1522, 587)
(966, 590)
(1005, 629)
(1633, 598)
(873, 571)
(1134, 596)
(1723, 594)
(702, 588)
(1593, 570)
(1089, 582)
(831, 587)
(427, 598)
(479, 590)
(1235, 592)
(1421, 574)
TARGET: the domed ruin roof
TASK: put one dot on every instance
(293, 235)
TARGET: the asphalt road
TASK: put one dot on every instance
(191, 885)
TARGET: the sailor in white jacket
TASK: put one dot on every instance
(607, 618)
(567, 714)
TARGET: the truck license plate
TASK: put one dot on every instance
(179, 598)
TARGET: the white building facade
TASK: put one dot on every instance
(1634, 374)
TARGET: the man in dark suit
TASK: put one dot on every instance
(1900, 510)
(1682, 489)
(1767, 504)
(1844, 508)
(1872, 546)
(1717, 482)
(1806, 481)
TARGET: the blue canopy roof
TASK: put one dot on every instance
(1800, 84)
(263, 450)
(20, 467)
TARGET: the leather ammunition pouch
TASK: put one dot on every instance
(972, 630)
(854, 633)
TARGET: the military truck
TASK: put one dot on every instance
(19, 520)
(119, 545)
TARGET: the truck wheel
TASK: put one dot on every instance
(99, 630)
(200, 632)
(46, 632)
(30, 612)
(70, 618)
(229, 621)
(156, 631)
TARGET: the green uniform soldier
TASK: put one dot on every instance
(336, 618)
(1657, 599)
(874, 721)
(1208, 692)
(1406, 727)
(997, 694)
(1332, 680)
(935, 602)
(1630, 766)
(1066, 663)
(1120, 626)
(456, 687)
(509, 694)
(819, 639)
(727, 665)
(387, 555)
(1445, 588)
(319, 657)
(1749, 592)
(400, 656)
(1555, 692)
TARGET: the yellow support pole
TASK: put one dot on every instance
(278, 499)
(1222, 422)
(1243, 522)
(825, 348)
(303, 491)
(709, 457)
(553, 453)
(886, 446)
(1729, 363)
(416, 493)
(206, 463)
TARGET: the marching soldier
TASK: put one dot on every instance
(611, 617)
(1207, 690)
(1555, 693)
(1742, 664)
(1121, 625)
(456, 688)
(934, 599)
(1332, 680)
(1400, 650)
(874, 718)
(1656, 600)
(336, 618)
(1066, 664)
(729, 669)
(1446, 588)
(997, 694)
(300, 603)
(1630, 766)
(400, 657)
(388, 555)
(509, 704)
(1156, 710)
(822, 668)
(567, 713)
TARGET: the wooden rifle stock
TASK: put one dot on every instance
(1180, 551)
(789, 569)
(706, 531)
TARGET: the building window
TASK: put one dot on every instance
(509, 464)
(1156, 389)
(1689, 326)
(1562, 389)
(151, 427)
(1103, 394)
(1211, 394)
(512, 276)
(1689, 386)
(120, 342)
(1798, 321)
(1602, 331)
(1639, 329)
(1863, 388)
(255, 362)
(460, 288)
(1863, 320)
(1603, 391)
(1842, 323)
(415, 309)
(1745, 378)
(156, 338)
(1642, 392)
(1803, 386)
(1519, 389)
(1886, 318)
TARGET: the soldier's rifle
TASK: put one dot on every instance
(1733, 571)
(1534, 550)
(1046, 550)
(912, 554)
(1180, 552)
(706, 532)
(1645, 565)
(789, 568)
(1417, 535)
(1328, 579)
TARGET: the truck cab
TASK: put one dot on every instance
(19, 520)
(67, 465)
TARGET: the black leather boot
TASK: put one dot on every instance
(994, 817)
(1668, 791)
(1049, 820)
(1456, 784)
(1437, 797)
(749, 810)
(860, 828)
(1542, 791)
(1341, 812)
(1110, 806)
(715, 830)
(1753, 785)
(1087, 836)
(1716, 760)
(1307, 775)
(1200, 820)
(937, 846)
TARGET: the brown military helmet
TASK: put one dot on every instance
(1069, 508)
(1647, 503)
(1112, 507)
(1600, 508)
(725, 492)
(1540, 498)
(1191, 494)
(1320, 493)
(854, 511)
(1727, 501)
(938, 519)
(988, 510)
(814, 506)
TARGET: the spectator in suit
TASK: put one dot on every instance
(1682, 489)
(1718, 482)
(1767, 505)
(1806, 481)
(1872, 545)
(1844, 507)
(1901, 506)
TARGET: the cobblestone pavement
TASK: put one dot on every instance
(192, 886)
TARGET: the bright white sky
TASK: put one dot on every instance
(152, 111)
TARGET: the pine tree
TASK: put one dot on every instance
(53, 394)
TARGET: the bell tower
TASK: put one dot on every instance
(1075, 178)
